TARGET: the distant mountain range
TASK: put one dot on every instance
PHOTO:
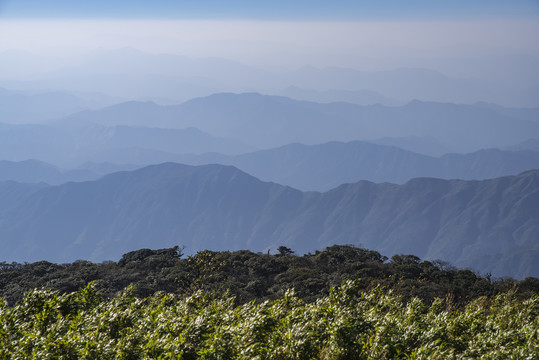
(360, 97)
(349, 157)
(132, 74)
(401, 84)
(530, 144)
(18, 107)
(34, 171)
(421, 145)
(490, 225)
(306, 167)
(268, 121)
(71, 145)
(144, 132)
(325, 166)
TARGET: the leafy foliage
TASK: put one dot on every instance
(347, 323)
(249, 276)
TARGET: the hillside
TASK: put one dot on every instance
(221, 208)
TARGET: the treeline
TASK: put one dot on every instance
(248, 276)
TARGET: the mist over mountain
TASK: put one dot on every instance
(18, 107)
(268, 121)
(133, 74)
(74, 144)
(360, 97)
(219, 207)
(424, 119)
(403, 84)
(188, 140)
(39, 172)
(22, 107)
(129, 113)
(12, 193)
(530, 144)
(421, 145)
(217, 72)
(33, 171)
(318, 167)
(212, 129)
(526, 113)
(20, 65)
(322, 167)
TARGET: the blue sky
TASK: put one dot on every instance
(273, 10)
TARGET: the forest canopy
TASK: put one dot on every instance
(256, 276)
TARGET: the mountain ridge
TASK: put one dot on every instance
(265, 121)
(322, 167)
(319, 167)
(222, 208)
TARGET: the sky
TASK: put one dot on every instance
(371, 35)
(351, 10)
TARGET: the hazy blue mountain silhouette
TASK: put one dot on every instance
(325, 166)
(220, 207)
(201, 72)
(12, 193)
(270, 121)
(406, 84)
(73, 144)
(306, 167)
(132, 74)
(20, 107)
(421, 145)
(34, 171)
(530, 144)
(360, 97)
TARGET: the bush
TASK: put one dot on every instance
(348, 323)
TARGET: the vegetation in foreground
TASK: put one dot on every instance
(251, 276)
(236, 305)
(346, 324)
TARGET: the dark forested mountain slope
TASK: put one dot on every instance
(203, 207)
(219, 207)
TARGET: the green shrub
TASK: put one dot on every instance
(347, 324)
